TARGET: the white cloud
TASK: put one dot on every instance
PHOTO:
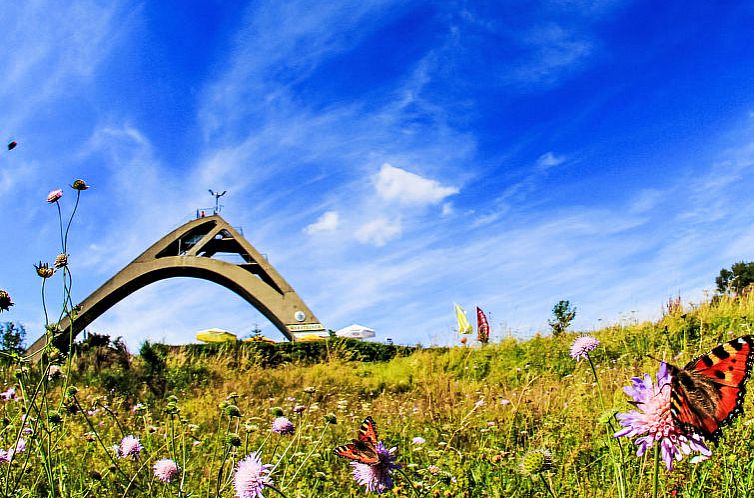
(396, 184)
(555, 51)
(447, 209)
(328, 222)
(379, 231)
(549, 160)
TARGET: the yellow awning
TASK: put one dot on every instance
(215, 335)
(310, 338)
(259, 338)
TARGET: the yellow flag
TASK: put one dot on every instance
(464, 327)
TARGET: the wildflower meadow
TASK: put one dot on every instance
(595, 414)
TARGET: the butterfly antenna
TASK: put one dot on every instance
(655, 359)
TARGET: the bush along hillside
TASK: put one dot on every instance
(562, 415)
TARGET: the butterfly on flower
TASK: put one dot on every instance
(364, 448)
(708, 393)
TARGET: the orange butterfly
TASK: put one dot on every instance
(708, 393)
(363, 449)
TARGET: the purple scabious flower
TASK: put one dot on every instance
(130, 446)
(378, 477)
(418, 440)
(7, 456)
(251, 477)
(582, 346)
(165, 470)
(9, 394)
(654, 423)
(282, 425)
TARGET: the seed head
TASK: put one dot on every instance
(276, 411)
(44, 270)
(5, 301)
(232, 411)
(536, 462)
(61, 260)
(79, 185)
(232, 439)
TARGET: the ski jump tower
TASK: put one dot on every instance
(189, 251)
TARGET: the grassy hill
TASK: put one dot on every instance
(478, 410)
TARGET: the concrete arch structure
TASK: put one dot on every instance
(190, 251)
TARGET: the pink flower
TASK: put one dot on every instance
(418, 440)
(582, 346)
(377, 478)
(54, 196)
(9, 394)
(7, 456)
(129, 447)
(165, 469)
(282, 425)
(251, 477)
(655, 422)
(299, 408)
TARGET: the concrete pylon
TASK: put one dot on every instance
(189, 251)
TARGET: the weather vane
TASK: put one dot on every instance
(217, 199)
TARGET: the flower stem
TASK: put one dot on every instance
(410, 482)
(44, 305)
(597, 380)
(656, 476)
(276, 490)
(547, 485)
(311, 452)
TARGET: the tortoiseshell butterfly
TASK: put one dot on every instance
(708, 393)
(363, 449)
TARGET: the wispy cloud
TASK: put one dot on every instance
(51, 55)
(405, 187)
(555, 52)
(379, 231)
(328, 222)
(549, 160)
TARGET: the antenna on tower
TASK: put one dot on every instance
(217, 196)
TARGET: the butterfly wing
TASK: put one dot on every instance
(708, 392)
(363, 449)
(368, 431)
(358, 451)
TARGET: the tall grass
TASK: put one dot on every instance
(478, 410)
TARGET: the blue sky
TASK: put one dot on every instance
(390, 158)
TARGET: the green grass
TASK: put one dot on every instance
(450, 397)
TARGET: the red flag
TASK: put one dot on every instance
(482, 327)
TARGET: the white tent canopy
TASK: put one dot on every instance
(355, 331)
